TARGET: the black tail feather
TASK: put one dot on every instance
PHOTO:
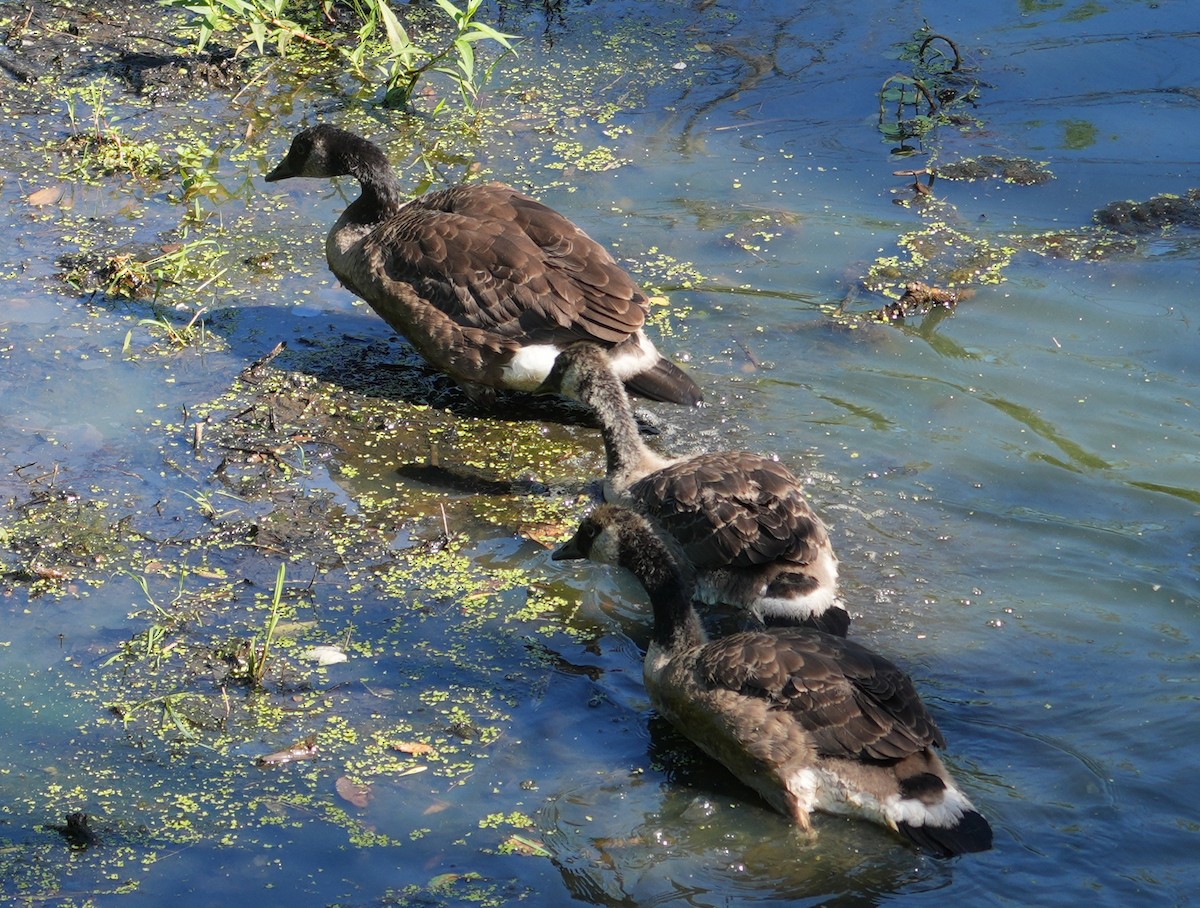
(665, 382)
(834, 620)
(973, 833)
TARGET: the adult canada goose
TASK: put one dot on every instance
(487, 283)
(809, 720)
(741, 519)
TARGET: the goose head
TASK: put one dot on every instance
(598, 537)
(582, 372)
(326, 151)
(616, 535)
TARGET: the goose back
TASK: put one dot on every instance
(487, 283)
(741, 519)
(811, 721)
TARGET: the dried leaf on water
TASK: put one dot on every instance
(47, 196)
(546, 534)
(519, 844)
(416, 748)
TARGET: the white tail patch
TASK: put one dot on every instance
(633, 358)
(914, 812)
(529, 366)
(801, 608)
(824, 789)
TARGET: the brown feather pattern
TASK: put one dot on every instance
(466, 251)
(733, 509)
(741, 519)
(855, 703)
(809, 720)
(474, 274)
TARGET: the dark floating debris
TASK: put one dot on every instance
(77, 831)
(1021, 171)
(165, 77)
(1155, 214)
(920, 191)
(919, 298)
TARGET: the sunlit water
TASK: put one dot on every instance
(1012, 490)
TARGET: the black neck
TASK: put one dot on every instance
(382, 194)
(676, 624)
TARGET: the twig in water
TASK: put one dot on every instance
(953, 47)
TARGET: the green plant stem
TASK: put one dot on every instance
(259, 669)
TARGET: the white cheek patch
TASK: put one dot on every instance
(530, 366)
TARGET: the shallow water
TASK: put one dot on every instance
(1012, 488)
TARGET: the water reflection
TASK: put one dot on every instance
(646, 840)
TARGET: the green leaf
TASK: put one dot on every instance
(169, 712)
(258, 31)
(479, 31)
(466, 57)
(396, 96)
(453, 11)
(397, 37)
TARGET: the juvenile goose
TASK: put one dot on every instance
(488, 284)
(809, 720)
(741, 519)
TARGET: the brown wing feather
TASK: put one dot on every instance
(733, 509)
(852, 702)
(545, 282)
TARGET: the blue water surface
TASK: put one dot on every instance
(1013, 489)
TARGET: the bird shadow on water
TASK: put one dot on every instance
(362, 355)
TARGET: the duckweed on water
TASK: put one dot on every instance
(946, 253)
(307, 468)
(175, 692)
(58, 536)
(1019, 171)
(575, 155)
(957, 258)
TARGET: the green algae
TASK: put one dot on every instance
(175, 689)
(948, 254)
